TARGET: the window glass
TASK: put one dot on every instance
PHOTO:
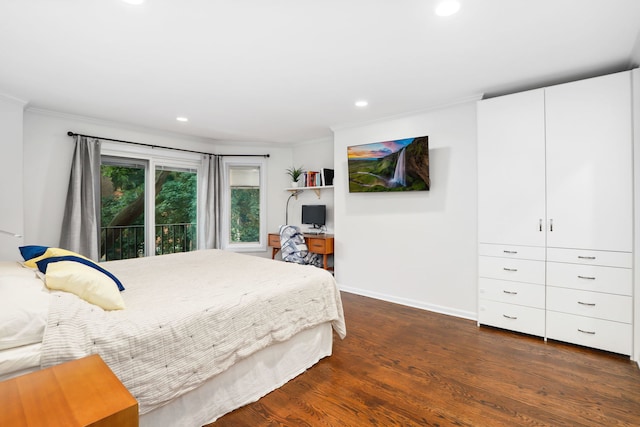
(245, 204)
(175, 210)
(243, 226)
(122, 218)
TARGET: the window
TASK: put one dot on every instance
(149, 202)
(244, 204)
(176, 206)
(122, 218)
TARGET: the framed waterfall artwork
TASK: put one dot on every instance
(398, 165)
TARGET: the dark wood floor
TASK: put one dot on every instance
(401, 366)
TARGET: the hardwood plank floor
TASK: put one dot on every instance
(401, 366)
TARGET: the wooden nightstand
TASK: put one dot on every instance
(82, 392)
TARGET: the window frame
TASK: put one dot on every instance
(229, 162)
(156, 157)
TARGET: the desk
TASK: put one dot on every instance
(79, 393)
(317, 243)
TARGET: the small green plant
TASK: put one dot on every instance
(294, 173)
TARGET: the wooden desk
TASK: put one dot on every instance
(82, 392)
(317, 243)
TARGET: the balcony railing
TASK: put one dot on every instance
(123, 242)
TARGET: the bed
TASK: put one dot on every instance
(201, 334)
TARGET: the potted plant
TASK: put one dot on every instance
(295, 174)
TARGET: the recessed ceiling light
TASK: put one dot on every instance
(361, 103)
(182, 119)
(447, 7)
(135, 2)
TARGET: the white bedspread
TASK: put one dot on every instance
(190, 316)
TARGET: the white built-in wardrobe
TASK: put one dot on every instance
(555, 204)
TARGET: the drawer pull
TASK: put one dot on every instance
(509, 292)
(590, 304)
(586, 332)
(510, 252)
(586, 277)
(586, 257)
(510, 317)
(509, 269)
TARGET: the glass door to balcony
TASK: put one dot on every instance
(128, 195)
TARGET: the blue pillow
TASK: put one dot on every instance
(42, 266)
(32, 251)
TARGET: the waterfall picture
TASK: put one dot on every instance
(398, 165)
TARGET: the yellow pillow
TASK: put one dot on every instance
(50, 252)
(86, 282)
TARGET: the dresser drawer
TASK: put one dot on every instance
(319, 245)
(590, 332)
(505, 251)
(274, 240)
(576, 256)
(511, 316)
(592, 304)
(515, 270)
(613, 280)
(528, 294)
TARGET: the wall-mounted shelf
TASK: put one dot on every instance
(317, 189)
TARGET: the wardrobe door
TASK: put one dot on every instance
(589, 164)
(511, 169)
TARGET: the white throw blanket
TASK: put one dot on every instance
(190, 316)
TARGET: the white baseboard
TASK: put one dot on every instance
(411, 303)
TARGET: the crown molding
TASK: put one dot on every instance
(460, 101)
(11, 98)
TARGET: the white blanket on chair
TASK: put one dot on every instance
(190, 316)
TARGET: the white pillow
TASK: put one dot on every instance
(24, 307)
(86, 282)
(15, 268)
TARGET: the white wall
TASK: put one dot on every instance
(636, 218)
(48, 152)
(313, 155)
(416, 248)
(11, 176)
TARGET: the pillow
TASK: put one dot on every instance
(30, 260)
(15, 268)
(43, 263)
(24, 306)
(32, 251)
(85, 281)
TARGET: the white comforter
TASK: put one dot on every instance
(190, 316)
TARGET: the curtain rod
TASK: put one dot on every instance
(166, 148)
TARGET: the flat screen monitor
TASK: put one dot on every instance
(315, 215)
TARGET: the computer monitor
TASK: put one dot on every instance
(315, 215)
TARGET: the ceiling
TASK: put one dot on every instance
(287, 71)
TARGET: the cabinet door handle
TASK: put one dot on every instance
(551, 224)
(509, 269)
(510, 317)
(586, 332)
(540, 224)
(589, 304)
(586, 277)
(510, 252)
(509, 292)
(586, 257)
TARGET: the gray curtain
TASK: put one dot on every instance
(210, 194)
(81, 223)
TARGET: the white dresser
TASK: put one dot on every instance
(512, 287)
(555, 212)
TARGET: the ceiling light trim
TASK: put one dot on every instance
(447, 8)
